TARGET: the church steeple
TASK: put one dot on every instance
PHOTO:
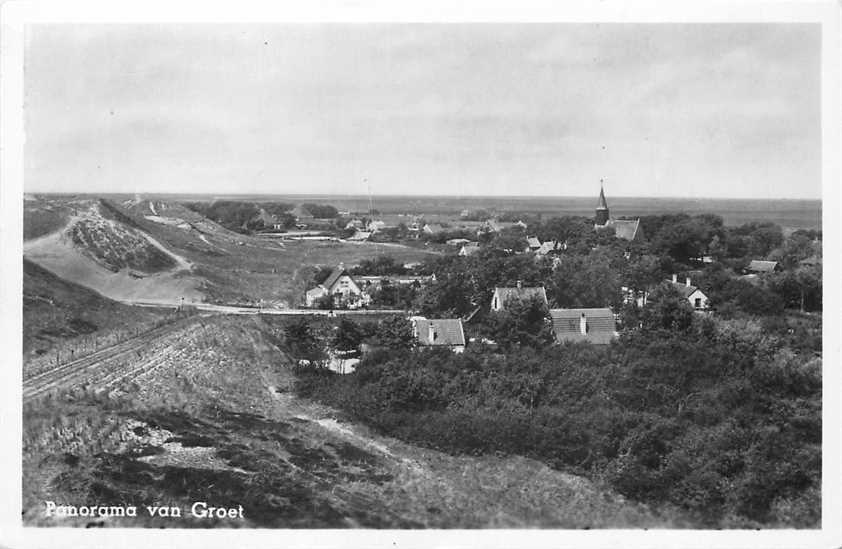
(602, 214)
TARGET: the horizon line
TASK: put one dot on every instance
(411, 195)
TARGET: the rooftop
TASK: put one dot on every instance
(760, 266)
(624, 228)
(445, 331)
(507, 293)
(599, 325)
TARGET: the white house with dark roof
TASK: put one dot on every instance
(341, 287)
(439, 332)
(504, 294)
(691, 293)
(594, 326)
(468, 249)
(533, 243)
(432, 228)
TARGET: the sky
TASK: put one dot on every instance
(672, 110)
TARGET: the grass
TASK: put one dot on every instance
(59, 313)
(211, 426)
(44, 215)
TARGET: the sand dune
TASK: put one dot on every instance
(57, 253)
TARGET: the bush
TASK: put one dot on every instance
(717, 420)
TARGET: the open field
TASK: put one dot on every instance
(216, 422)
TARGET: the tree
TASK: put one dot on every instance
(348, 335)
(321, 211)
(667, 309)
(809, 280)
(523, 322)
(382, 265)
(642, 272)
(321, 274)
(302, 341)
(394, 332)
(568, 228)
(585, 281)
(749, 298)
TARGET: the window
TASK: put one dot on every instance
(698, 303)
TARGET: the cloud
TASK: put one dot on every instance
(724, 110)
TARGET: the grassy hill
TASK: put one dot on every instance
(147, 250)
(56, 311)
(217, 422)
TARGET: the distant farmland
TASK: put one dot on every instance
(793, 214)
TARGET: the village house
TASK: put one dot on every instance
(758, 266)
(355, 223)
(627, 229)
(503, 294)
(342, 289)
(458, 242)
(551, 246)
(691, 293)
(432, 228)
(469, 249)
(439, 332)
(495, 226)
(533, 243)
(595, 326)
(375, 225)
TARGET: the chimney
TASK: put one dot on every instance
(583, 324)
(687, 281)
(519, 284)
(674, 278)
(432, 333)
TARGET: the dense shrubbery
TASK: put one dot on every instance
(382, 265)
(593, 266)
(321, 211)
(719, 420)
(232, 215)
(719, 415)
(245, 217)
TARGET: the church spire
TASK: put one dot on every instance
(602, 214)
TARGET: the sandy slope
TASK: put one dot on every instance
(57, 253)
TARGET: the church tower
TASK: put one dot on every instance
(602, 215)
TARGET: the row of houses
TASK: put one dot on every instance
(346, 291)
